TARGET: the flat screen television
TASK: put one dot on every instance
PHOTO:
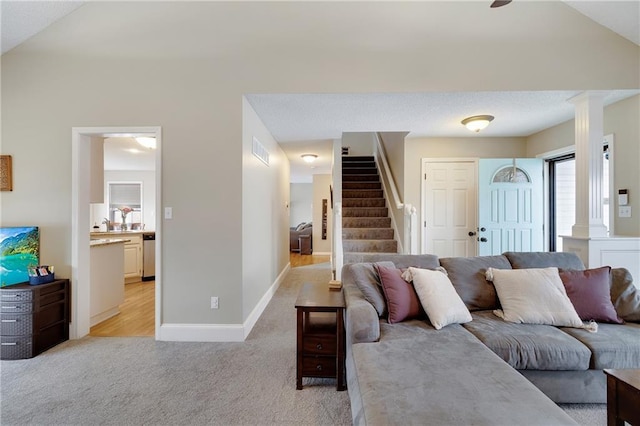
(19, 249)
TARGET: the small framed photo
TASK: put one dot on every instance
(6, 174)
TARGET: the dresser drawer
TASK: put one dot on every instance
(319, 345)
(321, 366)
(16, 324)
(15, 296)
(16, 347)
(16, 307)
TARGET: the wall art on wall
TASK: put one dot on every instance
(6, 181)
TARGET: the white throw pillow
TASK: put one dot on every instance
(438, 297)
(533, 296)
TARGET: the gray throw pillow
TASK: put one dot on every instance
(467, 274)
(625, 296)
(560, 260)
(368, 281)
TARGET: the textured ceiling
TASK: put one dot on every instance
(23, 19)
(298, 117)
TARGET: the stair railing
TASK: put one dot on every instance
(410, 230)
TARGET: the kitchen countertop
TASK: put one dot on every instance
(118, 233)
(106, 241)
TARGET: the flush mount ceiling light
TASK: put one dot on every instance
(309, 158)
(147, 142)
(477, 122)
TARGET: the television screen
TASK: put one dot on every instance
(19, 249)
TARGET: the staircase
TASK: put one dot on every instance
(366, 225)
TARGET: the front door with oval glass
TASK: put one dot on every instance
(510, 205)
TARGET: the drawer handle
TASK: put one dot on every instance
(319, 367)
(10, 344)
(13, 320)
(319, 346)
(9, 296)
(10, 307)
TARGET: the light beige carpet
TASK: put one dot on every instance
(138, 381)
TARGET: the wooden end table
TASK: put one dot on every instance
(321, 340)
(623, 397)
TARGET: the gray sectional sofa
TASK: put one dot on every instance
(486, 371)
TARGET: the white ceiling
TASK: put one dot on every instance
(308, 122)
(124, 153)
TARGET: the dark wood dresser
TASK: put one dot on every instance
(33, 318)
(321, 340)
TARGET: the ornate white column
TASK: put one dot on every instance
(589, 136)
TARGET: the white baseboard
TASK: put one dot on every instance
(264, 301)
(322, 253)
(221, 332)
(97, 319)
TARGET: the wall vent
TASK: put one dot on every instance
(260, 151)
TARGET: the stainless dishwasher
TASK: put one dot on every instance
(148, 256)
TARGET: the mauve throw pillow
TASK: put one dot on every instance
(402, 300)
(589, 292)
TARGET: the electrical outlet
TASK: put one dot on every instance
(214, 302)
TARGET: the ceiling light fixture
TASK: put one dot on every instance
(477, 122)
(147, 142)
(309, 158)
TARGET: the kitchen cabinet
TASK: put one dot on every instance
(133, 250)
(133, 258)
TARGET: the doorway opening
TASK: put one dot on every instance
(82, 222)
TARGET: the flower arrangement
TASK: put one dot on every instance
(124, 211)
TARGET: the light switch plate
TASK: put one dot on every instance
(168, 212)
(624, 211)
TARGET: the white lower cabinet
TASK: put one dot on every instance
(133, 259)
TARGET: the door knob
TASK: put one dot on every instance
(482, 239)
(471, 233)
(483, 229)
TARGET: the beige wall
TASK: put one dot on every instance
(321, 192)
(621, 120)
(301, 208)
(476, 147)
(189, 65)
(265, 212)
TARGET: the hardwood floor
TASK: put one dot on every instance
(137, 313)
(297, 259)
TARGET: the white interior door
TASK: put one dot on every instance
(449, 207)
(510, 205)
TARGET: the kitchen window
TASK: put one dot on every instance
(125, 194)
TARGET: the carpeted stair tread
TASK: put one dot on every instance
(366, 222)
(367, 233)
(359, 170)
(365, 212)
(371, 246)
(362, 193)
(360, 178)
(363, 202)
(361, 185)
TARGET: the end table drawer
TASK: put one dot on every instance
(320, 345)
(321, 366)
